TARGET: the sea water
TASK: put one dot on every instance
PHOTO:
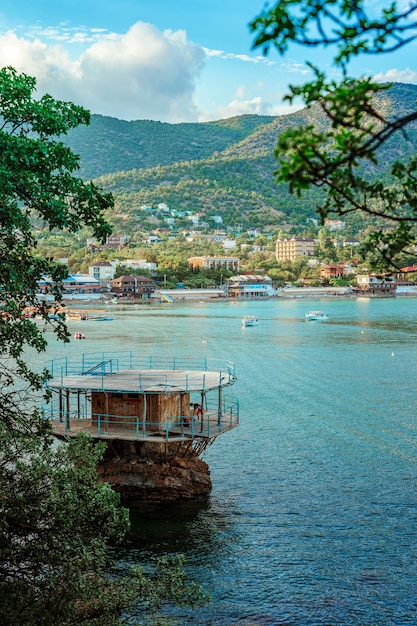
(312, 518)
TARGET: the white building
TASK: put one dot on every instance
(138, 264)
(152, 239)
(103, 271)
(214, 262)
(249, 286)
(335, 224)
(229, 244)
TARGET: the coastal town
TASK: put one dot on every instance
(238, 276)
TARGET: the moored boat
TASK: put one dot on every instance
(316, 316)
(99, 318)
(250, 320)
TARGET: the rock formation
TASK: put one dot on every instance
(163, 472)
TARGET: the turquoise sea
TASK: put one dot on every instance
(312, 519)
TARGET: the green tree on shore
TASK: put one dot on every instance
(56, 521)
(340, 155)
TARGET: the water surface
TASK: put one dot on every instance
(312, 518)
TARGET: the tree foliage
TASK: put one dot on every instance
(342, 157)
(37, 182)
(57, 522)
(56, 526)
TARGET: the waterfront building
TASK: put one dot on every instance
(158, 416)
(249, 286)
(73, 284)
(134, 286)
(376, 284)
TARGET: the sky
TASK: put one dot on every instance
(166, 60)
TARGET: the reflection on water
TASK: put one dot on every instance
(189, 528)
(313, 517)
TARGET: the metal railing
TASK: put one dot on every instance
(101, 425)
(112, 362)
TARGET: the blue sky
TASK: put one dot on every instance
(168, 60)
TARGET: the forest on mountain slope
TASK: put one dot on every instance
(223, 168)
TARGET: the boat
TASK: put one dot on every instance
(316, 316)
(250, 320)
(96, 318)
(80, 336)
(99, 318)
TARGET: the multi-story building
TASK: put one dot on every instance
(376, 285)
(249, 286)
(73, 284)
(333, 270)
(294, 248)
(139, 264)
(133, 286)
(214, 262)
(103, 271)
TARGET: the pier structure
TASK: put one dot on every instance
(144, 408)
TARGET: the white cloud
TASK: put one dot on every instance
(296, 67)
(221, 54)
(143, 74)
(146, 73)
(396, 76)
(34, 58)
(254, 106)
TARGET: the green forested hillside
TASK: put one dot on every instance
(110, 145)
(218, 168)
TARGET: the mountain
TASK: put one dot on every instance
(223, 168)
(110, 145)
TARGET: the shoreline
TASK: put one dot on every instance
(82, 302)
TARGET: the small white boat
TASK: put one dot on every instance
(316, 316)
(250, 320)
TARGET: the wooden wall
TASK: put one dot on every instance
(129, 406)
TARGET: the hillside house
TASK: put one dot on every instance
(333, 270)
(139, 264)
(103, 272)
(294, 248)
(229, 244)
(117, 241)
(112, 241)
(151, 239)
(351, 242)
(213, 263)
(334, 225)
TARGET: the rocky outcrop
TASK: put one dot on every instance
(163, 472)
